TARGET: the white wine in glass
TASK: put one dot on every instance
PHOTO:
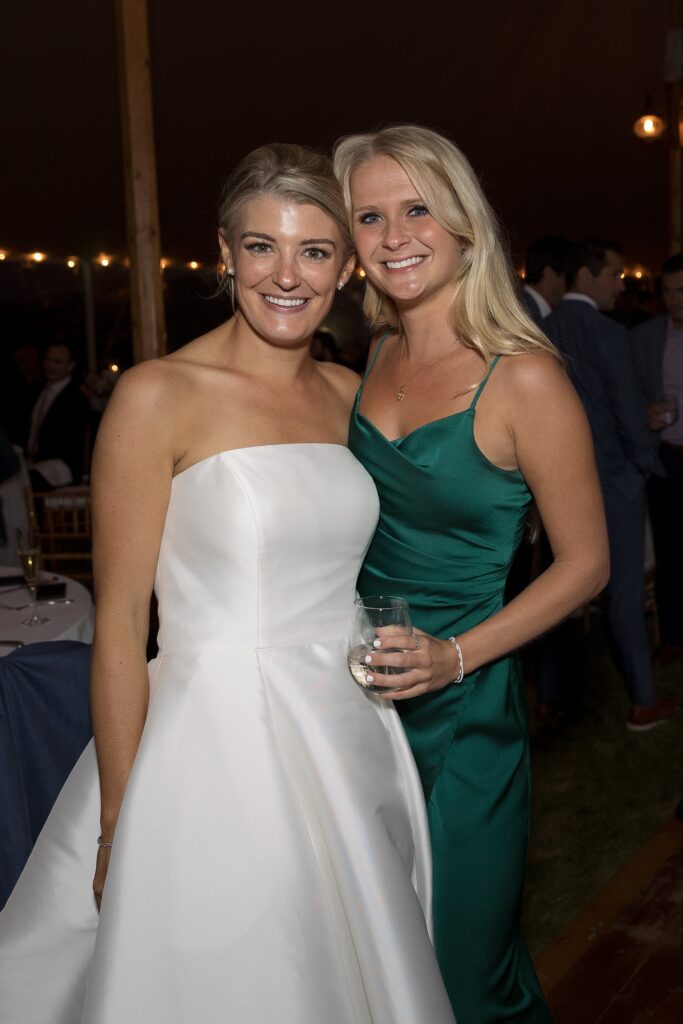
(28, 547)
(390, 614)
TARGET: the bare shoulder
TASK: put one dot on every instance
(532, 373)
(344, 381)
(141, 422)
(146, 387)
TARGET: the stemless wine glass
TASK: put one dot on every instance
(391, 615)
(28, 547)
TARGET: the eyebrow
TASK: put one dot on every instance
(306, 241)
(415, 201)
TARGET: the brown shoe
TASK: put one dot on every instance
(642, 717)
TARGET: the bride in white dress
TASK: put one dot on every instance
(269, 862)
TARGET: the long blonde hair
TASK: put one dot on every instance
(486, 311)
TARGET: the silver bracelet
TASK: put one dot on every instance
(461, 671)
(102, 845)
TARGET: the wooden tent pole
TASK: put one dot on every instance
(142, 213)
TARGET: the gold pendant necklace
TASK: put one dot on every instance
(401, 393)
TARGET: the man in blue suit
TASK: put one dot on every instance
(544, 276)
(657, 347)
(599, 362)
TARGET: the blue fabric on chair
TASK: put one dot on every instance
(44, 727)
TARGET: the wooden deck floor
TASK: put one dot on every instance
(621, 960)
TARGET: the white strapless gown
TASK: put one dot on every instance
(271, 862)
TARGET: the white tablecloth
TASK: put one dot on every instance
(67, 621)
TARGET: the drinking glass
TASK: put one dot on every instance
(28, 547)
(391, 615)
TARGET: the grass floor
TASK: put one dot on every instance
(599, 790)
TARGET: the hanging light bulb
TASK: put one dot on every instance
(649, 125)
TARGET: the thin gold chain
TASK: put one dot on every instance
(401, 393)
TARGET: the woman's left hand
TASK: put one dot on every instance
(431, 664)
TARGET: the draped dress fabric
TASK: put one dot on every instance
(450, 522)
(271, 859)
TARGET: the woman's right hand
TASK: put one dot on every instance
(101, 867)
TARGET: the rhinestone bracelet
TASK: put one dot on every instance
(102, 845)
(461, 672)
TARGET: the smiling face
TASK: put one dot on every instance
(287, 260)
(404, 251)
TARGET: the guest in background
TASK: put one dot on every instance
(544, 276)
(59, 423)
(599, 361)
(657, 347)
(19, 386)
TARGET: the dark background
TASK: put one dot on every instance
(541, 96)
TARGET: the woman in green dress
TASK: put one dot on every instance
(464, 415)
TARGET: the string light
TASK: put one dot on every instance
(361, 272)
(103, 260)
(114, 368)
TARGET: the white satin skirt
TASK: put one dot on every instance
(270, 866)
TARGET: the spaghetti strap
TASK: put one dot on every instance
(376, 353)
(473, 403)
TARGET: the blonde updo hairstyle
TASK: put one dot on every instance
(290, 172)
(486, 311)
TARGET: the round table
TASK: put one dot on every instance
(72, 621)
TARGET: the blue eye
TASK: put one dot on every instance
(317, 254)
(418, 211)
(258, 247)
(368, 218)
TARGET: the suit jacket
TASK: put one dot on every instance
(648, 341)
(532, 307)
(600, 364)
(62, 432)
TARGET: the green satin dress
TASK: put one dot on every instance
(450, 522)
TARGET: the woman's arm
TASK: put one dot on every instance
(132, 472)
(554, 451)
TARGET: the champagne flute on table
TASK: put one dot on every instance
(378, 616)
(28, 547)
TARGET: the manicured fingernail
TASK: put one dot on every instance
(368, 659)
(369, 678)
(376, 643)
